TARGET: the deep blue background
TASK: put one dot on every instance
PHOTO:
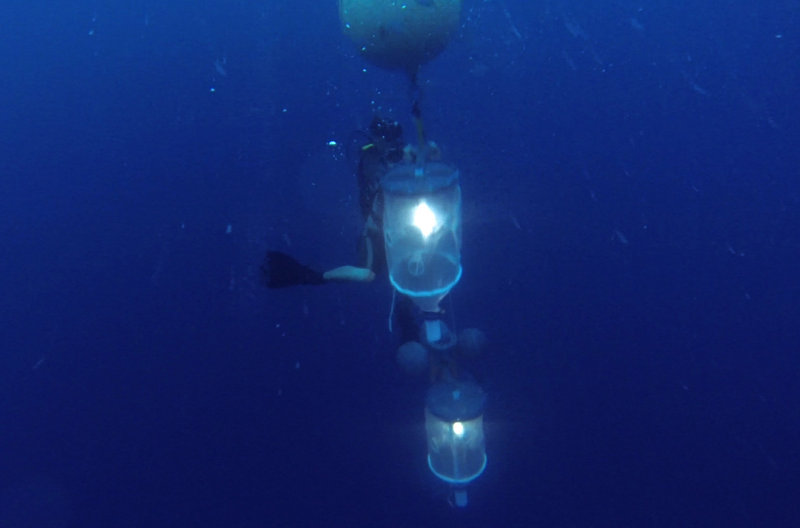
(631, 244)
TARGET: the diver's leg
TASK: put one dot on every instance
(366, 252)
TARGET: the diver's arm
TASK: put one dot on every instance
(281, 270)
(349, 274)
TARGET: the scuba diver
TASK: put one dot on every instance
(383, 148)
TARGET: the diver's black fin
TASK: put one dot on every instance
(280, 270)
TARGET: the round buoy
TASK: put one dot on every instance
(413, 358)
(399, 34)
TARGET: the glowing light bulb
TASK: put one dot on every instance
(458, 428)
(424, 219)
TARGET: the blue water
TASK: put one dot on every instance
(631, 239)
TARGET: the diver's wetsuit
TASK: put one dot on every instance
(371, 168)
(377, 157)
(385, 149)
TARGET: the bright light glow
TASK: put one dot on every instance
(424, 219)
(458, 428)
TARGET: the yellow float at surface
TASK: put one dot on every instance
(399, 34)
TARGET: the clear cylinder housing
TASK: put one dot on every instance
(422, 231)
(454, 429)
(456, 450)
